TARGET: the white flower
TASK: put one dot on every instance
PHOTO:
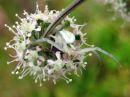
(28, 26)
(32, 55)
(119, 7)
(52, 57)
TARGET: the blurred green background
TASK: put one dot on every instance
(108, 79)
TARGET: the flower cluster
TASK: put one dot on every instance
(48, 58)
(120, 7)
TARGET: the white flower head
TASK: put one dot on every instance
(48, 58)
(119, 7)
